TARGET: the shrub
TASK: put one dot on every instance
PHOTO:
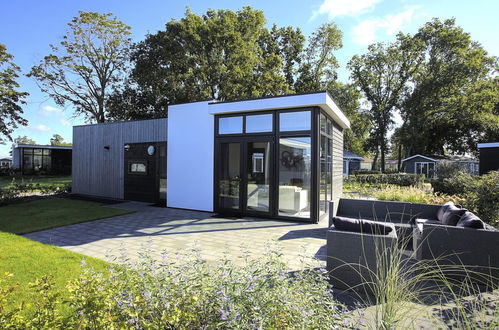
(399, 179)
(19, 190)
(458, 184)
(415, 195)
(483, 198)
(185, 292)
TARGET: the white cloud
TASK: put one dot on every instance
(48, 110)
(64, 122)
(365, 32)
(39, 128)
(335, 8)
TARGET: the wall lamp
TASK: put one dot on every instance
(127, 147)
(107, 147)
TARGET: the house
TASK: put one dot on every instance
(489, 157)
(277, 157)
(428, 166)
(351, 162)
(5, 163)
(41, 159)
(420, 164)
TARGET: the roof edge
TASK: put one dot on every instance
(488, 145)
(418, 155)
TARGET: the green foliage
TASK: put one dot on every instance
(187, 293)
(11, 100)
(19, 190)
(451, 102)
(57, 140)
(381, 75)
(400, 179)
(415, 195)
(24, 140)
(91, 58)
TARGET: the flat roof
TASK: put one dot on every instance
(488, 145)
(120, 122)
(316, 99)
(40, 146)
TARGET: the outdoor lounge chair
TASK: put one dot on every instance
(352, 257)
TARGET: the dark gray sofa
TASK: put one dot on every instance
(401, 214)
(352, 257)
(476, 249)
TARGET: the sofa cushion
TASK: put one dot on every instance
(470, 220)
(452, 215)
(360, 225)
(442, 209)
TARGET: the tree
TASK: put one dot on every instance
(347, 97)
(91, 58)
(11, 99)
(320, 64)
(24, 140)
(381, 74)
(221, 55)
(57, 140)
(452, 100)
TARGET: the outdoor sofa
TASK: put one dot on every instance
(353, 253)
(469, 243)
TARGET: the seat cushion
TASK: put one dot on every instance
(452, 215)
(470, 220)
(442, 209)
(360, 225)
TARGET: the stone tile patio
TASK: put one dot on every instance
(179, 230)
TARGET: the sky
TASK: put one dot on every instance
(28, 27)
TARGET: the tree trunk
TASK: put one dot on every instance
(373, 165)
(399, 164)
(382, 151)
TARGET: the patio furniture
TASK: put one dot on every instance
(352, 256)
(460, 251)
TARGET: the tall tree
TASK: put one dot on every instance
(57, 140)
(11, 99)
(348, 98)
(320, 64)
(381, 74)
(24, 140)
(90, 59)
(452, 100)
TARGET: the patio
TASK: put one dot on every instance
(176, 230)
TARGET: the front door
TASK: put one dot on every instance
(244, 176)
(143, 171)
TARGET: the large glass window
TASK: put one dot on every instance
(37, 160)
(258, 176)
(294, 121)
(230, 125)
(295, 165)
(259, 123)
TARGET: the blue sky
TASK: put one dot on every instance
(28, 27)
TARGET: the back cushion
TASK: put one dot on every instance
(359, 225)
(452, 215)
(442, 209)
(470, 220)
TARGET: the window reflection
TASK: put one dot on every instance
(294, 176)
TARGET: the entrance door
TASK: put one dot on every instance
(245, 177)
(144, 174)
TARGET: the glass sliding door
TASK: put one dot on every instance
(229, 180)
(258, 165)
(295, 172)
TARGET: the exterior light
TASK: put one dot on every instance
(127, 147)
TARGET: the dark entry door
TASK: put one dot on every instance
(143, 172)
(244, 176)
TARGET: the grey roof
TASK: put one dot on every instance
(39, 146)
(418, 155)
(4, 159)
(351, 155)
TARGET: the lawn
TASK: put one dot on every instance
(42, 214)
(28, 260)
(7, 181)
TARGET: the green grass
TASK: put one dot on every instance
(28, 260)
(42, 214)
(7, 181)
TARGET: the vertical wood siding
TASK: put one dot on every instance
(99, 172)
(337, 163)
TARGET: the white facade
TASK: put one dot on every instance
(190, 142)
